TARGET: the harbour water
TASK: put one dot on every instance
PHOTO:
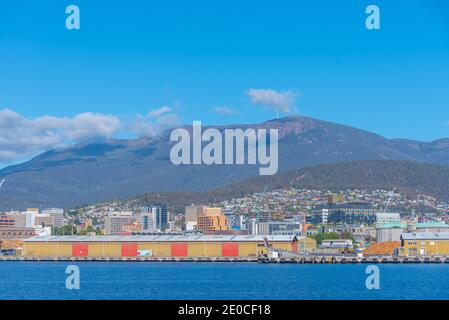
(102, 280)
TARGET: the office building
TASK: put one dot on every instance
(387, 217)
(43, 220)
(114, 223)
(335, 198)
(19, 219)
(31, 214)
(57, 216)
(154, 218)
(212, 220)
(7, 221)
(279, 228)
(192, 214)
(161, 217)
(351, 213)
(16, 233)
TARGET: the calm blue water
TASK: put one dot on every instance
(27, 280)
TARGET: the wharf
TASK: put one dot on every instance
(304, 259)
(127, 259)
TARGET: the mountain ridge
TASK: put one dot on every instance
(409, 178)
(119, 169)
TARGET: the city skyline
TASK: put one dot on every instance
(227, 153)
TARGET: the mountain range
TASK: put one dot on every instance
(120, 169)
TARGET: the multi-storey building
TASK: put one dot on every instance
(114, 223)
(19, 219)
(212, 220)
(57, 216)
(279, 228)
(31, 214)
(387, 217)
(161, 216)
(7, 221)
(43, 220)
(353, 213)
(16, 233)
(154, 218)
(194, 211)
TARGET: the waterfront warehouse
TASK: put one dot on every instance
(425, 243)
(162, 245)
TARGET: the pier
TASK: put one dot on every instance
(306, 259)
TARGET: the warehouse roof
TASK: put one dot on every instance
(432, 224)
(159, 238)
(391, 225)
(425, 236)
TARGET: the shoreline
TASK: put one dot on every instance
(281, 260)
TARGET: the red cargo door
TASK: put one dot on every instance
(230, 249)
(179, 250)
(129, 249)
(80, 250)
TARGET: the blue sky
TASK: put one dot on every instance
(131, 57)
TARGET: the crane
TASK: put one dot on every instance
(389, 201)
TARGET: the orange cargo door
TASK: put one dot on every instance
(230, 249)
(80, 250)
(129, 249)
(179, 250)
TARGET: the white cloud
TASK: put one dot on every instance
(280, 101)
(159, 112)
(225, 111)
(154, 123)
(21, 137)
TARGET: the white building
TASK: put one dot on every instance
(42, 231)
(387, 217)
(279, 228)
(191, 225)
(323, 215)
(31, 214)
(336, 243)
(252, 226)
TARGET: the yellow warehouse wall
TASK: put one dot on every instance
(430, 247)
(64, 249)
(196, 249)
(96, 249)
(163, 249)
(213, 249)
